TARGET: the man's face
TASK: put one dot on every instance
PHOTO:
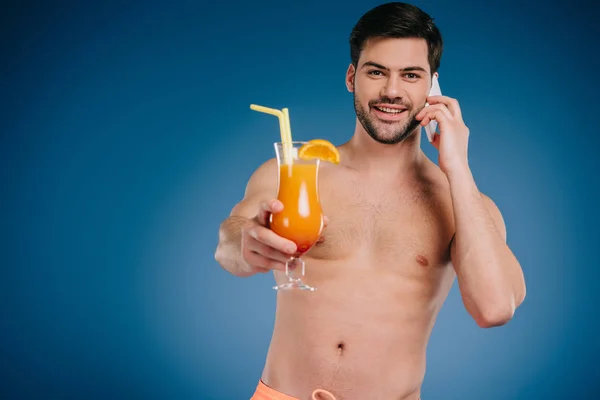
(390, 86)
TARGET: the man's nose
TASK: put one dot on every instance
(393, 88)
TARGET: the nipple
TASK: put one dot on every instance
(422, 260)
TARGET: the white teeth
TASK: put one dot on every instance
(390, 110)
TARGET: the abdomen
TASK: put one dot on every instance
(349, 342)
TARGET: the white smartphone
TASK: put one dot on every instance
(435, 91)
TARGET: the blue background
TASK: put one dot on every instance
(127, 137)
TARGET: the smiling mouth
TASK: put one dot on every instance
(389, 110)
(389, 114)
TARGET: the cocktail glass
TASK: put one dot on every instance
(301, 220)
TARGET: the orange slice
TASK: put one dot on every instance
(321, 149)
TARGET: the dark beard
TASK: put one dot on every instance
(402, 131)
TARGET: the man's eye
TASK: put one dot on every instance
(412, 76)
(375, 72)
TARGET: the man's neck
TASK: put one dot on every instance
(364, 154)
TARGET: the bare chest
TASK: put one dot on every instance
(385, 224)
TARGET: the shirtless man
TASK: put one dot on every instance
(400, 230)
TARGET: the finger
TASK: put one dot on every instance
(438, 113)
(268, 207)
(325, 221)
(426, 120)
(449, 102)
(252, 260)
(432, 110)
(270, 238)
(260, 262)
(268, 251)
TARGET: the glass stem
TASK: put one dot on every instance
(294, 269)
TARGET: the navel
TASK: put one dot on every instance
(422, 260)
(341, 347)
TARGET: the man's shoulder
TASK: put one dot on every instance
(267, 167)
(264, 170)
(263, 178)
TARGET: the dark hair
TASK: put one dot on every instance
(397, 20)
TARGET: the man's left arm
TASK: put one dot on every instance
(489, 275)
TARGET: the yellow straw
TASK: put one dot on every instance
(288, 132)
(284, 128)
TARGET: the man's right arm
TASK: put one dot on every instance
(246, 246)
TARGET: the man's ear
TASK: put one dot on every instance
(350, 78)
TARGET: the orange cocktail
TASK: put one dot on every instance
(301, 220)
